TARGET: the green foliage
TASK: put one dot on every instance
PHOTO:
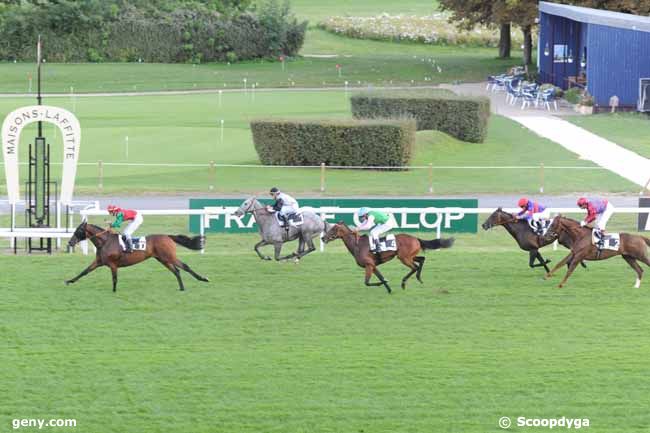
(334, 142)
(461, 117)
(573, 95)
(159, 31)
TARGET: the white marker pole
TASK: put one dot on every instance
(245, 80)
(222, 132)
(126, 141)
(73, 99)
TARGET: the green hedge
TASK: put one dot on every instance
(163, 31)
(378, 142)
(465, 118)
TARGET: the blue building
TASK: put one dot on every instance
(606, 52)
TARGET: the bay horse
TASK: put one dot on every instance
(408, 248)
(525, 237)
(631, 247)
(110, 253)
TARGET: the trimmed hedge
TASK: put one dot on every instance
(465, 118)
(379, 142)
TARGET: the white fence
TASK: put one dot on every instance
(444, 218)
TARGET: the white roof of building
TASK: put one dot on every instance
(597, 16)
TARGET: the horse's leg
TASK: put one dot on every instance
(559, 265)
(420, 261)
(542, 262)
(257, 246)
(174, 270)
(113, 267)
(312, 248)
(94, 265)
(639, 271)
(383, 280)
(189, 270)
(370, 269)
(278, 250)
(574, 263)
(409, 264)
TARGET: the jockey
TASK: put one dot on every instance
(599, 210)
(533, 211)
(132, 217)
(284, 204)
(377, 222)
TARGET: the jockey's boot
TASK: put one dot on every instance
(128, 243)
(539, 228)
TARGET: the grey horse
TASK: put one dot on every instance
(273, 234)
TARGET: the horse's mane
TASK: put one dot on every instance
(97, 227)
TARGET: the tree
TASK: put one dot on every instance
(469, 13)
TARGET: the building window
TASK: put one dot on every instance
(560, 53)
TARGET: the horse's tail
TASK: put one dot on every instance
(436, 243)
(195, 243)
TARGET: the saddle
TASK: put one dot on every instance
(139, 244)
(386, 243)
(611, 241)
(294, 219)
(542, 229)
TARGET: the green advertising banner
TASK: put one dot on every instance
(427, 220)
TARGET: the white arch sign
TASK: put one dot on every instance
(70, 131)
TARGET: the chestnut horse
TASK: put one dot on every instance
(632, 248)
(109, 252)
(525, 237)
(408, 248)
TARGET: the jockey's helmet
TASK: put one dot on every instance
(274, 190)
(582, 202)
(362, 212)
(523, 202)
(111, 208)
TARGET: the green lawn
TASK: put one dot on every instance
(307, 348)
(317, 11)
(630, 130)
(363, 63)
(186, 129)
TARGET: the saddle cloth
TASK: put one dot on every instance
(612, 241)
(544, 229)
(139, 244)
(386, 243)
(295, 219)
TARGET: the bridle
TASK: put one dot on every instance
(251, 207)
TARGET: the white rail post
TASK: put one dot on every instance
(58, 223)
(202, 229)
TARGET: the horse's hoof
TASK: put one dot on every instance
(560, 286)
(205, 280)
(67, 282)
(548, 261)
(266, 258)
(403, 286)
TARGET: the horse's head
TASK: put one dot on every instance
(335, 232)
(79, 235)
(497, 218)
(247, 206)
(556, 227)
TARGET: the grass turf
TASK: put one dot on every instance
(363, 63)
(186, 129)
(307, 348)
(630, 130)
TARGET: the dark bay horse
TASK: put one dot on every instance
(109, 252)
(408, 248)
(632, 248)
(526, 239)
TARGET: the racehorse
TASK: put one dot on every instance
(632, 248)
(408, 248)
(526, 239)
(109, 252)
(273, 234)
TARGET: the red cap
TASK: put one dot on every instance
(522, 202)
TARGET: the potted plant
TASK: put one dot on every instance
(586, 104)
